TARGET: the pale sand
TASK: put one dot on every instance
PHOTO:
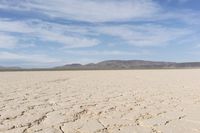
(138, 101)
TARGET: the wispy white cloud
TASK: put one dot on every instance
(102, 10)
(7, 25)
(140, 35)
(7, 41)
(68, 41)
(89, 10)
(147, 34)
(68, 36)
(140, 23)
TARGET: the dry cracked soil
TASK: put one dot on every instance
(129, 101)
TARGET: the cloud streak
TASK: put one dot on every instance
(147, 34)
(7, 41)
(89, 10)
(45, 32)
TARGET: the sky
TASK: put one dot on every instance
(46, 33)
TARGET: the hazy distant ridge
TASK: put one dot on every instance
(9, 68)
(115, 65)
(131, 64)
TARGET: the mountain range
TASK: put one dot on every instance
(116, 65)
(129, 64)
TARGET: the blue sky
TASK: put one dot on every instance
(49, 33)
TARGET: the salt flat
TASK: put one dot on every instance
(132, 101)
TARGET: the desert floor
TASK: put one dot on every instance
(132, 101)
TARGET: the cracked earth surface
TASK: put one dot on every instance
(137, 101)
